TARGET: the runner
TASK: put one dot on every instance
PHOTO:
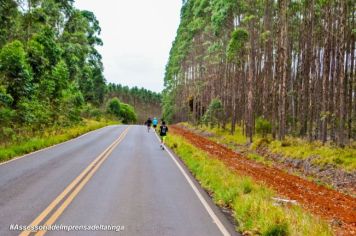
(148, 123)
(155, 122)
(163, 133)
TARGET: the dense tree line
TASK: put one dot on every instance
(146, 103)
(51, 73)
(288, 62)
(49, 67)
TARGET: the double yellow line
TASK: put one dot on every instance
(72, 190)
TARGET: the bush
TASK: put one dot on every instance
(127, 113)
(263, 126)
(122, 111)
(214, 113)
(6, 133)
(33, 113)
(113, 107)
(89, 111)
(6, 116)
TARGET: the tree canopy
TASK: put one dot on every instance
(51, 73)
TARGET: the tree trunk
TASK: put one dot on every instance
(282, 66)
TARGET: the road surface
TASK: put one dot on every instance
(114, 177)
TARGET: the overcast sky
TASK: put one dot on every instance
(137, 36)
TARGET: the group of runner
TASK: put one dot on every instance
(163, 129)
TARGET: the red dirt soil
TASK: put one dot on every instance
(327, 203)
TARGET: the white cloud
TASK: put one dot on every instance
(137, 36)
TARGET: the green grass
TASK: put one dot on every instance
(251, 202)
(259, 158)
(48, 138)
(237, 138)
(342, 158)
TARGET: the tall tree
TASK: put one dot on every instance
(282, 66)
(296, 71)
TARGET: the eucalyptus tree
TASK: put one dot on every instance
(291, 62)
(49, 64)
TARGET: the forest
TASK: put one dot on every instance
(146, 103)
(49, 66)
(287, 66)
(51, 73)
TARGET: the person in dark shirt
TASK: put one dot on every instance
(163, 130)
(148, 123)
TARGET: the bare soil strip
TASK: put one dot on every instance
(338, 208)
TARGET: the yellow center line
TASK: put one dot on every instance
(86, 174)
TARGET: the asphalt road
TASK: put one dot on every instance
(114, 177)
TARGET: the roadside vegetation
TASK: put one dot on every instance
(291, 147)
(122, 111)
(290, 62)
(252, 204)
(51, 75)
(48, 137)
